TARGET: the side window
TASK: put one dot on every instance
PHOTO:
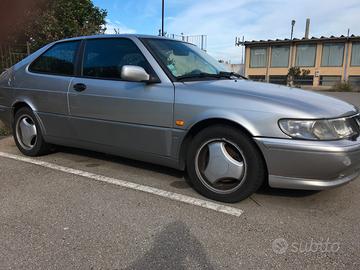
(59, 59)
(104, 58)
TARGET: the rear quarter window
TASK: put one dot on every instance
(58, 60)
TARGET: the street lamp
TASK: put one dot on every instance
(292, 28)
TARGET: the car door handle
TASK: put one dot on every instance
(79, 87)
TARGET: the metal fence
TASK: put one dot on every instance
(11, 54)
(198, 40)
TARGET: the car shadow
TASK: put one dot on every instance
(280, 192)
(121, 160)
(182, 181)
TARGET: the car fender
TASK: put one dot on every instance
(213, 114)
(28, 102)
(225, 115)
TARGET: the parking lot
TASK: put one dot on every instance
(77, 209)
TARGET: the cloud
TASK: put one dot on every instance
(223, 20)
(117, 27)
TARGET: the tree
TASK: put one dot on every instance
(57, 19)
(295, 73)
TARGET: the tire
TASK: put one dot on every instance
(28, 143)
(224, 164)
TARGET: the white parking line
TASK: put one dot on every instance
(159, 192)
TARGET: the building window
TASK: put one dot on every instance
(332, 55)
(329, 80)
(304, 80)
(258, 57)
(305, 55)
(257, 78)
(278, 79)
(280, 56)
(355, 55)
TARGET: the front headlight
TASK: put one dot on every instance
(332, 129)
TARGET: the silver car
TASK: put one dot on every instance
(167, 102)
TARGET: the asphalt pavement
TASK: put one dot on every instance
(76, 209)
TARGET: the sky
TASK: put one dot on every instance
(223, 20)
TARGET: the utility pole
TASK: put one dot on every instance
(347, 56)
(243, 51)
(241, 43)
(162, 18)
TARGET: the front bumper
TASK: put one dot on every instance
(311, 165)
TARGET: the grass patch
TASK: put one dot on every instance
(4, 131)
(342, 87)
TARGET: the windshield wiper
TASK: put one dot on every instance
(221, 74)
(201, 75)
(232, 74)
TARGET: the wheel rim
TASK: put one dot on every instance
(26, 132)
(220, 166)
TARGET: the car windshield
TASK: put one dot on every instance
(186, 61)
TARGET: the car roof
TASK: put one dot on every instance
(114, 36)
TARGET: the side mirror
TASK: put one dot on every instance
(134, 74)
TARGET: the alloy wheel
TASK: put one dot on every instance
(26, 132)
(220, 166)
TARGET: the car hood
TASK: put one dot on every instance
(272, 96)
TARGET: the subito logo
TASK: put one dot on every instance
(280, 246)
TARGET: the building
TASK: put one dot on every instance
(330, 60)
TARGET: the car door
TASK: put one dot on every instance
(107, 111)
(44, 86)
